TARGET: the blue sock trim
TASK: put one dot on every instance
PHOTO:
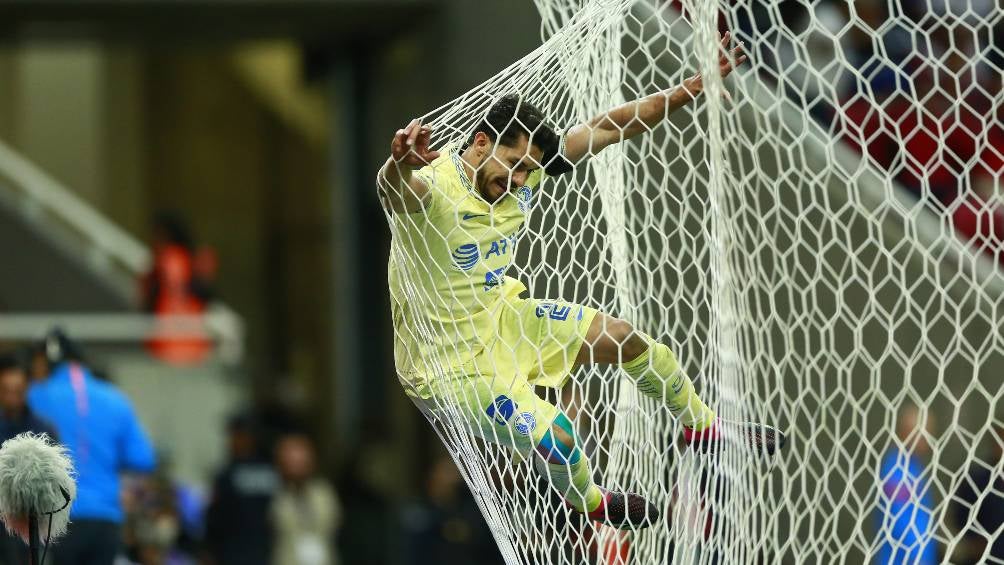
(555, 451)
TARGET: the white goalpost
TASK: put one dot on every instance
(795, 246)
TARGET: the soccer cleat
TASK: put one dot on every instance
(758, 437)
(624, 511)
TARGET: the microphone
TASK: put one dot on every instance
(36, 488)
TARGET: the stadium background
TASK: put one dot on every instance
(261, 124)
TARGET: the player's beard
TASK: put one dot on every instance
(493, 190)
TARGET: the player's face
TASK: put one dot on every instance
(506, 168)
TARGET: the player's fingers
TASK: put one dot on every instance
(407, 132)
(413, 134)
(431, 156)
(397, 143)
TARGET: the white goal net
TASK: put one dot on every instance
(824, 253)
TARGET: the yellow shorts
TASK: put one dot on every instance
(537, 340)
(492, 395)
(504, 411)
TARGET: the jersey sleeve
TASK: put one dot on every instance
(441, 178)
(534, 178)
(437, 200)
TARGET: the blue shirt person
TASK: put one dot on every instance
(97, 424)
(905, 524)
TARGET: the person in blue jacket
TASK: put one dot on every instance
(905, 517)
(97, 424)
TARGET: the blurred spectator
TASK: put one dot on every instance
(981, 499)
(156, 532)
(37, 366)
(178, 284)
(16, 418)
(445, 526)
(238, 531)
(906, 531)
(15, 415)
(911, 85)
(96, 423)
(306, 511)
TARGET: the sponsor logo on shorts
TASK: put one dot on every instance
(502, 409)
(525, 423)
(466, 256)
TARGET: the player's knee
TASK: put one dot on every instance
(631, 343)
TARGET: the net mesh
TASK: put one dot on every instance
(822, 253)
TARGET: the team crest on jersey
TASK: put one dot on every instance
(524, 198)
(466, 256)
(525, 423)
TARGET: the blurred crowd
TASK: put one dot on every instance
(914, 86)
(269, 504)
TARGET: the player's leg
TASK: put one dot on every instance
(512, 415)
(655, 369)
(652, 365)
(560, 455)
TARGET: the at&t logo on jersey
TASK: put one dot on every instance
(524, 198)
(466, 256)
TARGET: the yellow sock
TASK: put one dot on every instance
(659, 376)
(575, 483)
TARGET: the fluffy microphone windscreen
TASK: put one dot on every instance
(32, 470)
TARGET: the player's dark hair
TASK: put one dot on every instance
(512, 117)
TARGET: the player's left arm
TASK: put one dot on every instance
(640, 116)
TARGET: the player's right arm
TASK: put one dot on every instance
(399, 189)
(628, 120)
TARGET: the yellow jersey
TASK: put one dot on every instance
(447, 271)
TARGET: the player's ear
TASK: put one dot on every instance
(482, 144)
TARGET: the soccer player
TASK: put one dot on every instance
(468, 347)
